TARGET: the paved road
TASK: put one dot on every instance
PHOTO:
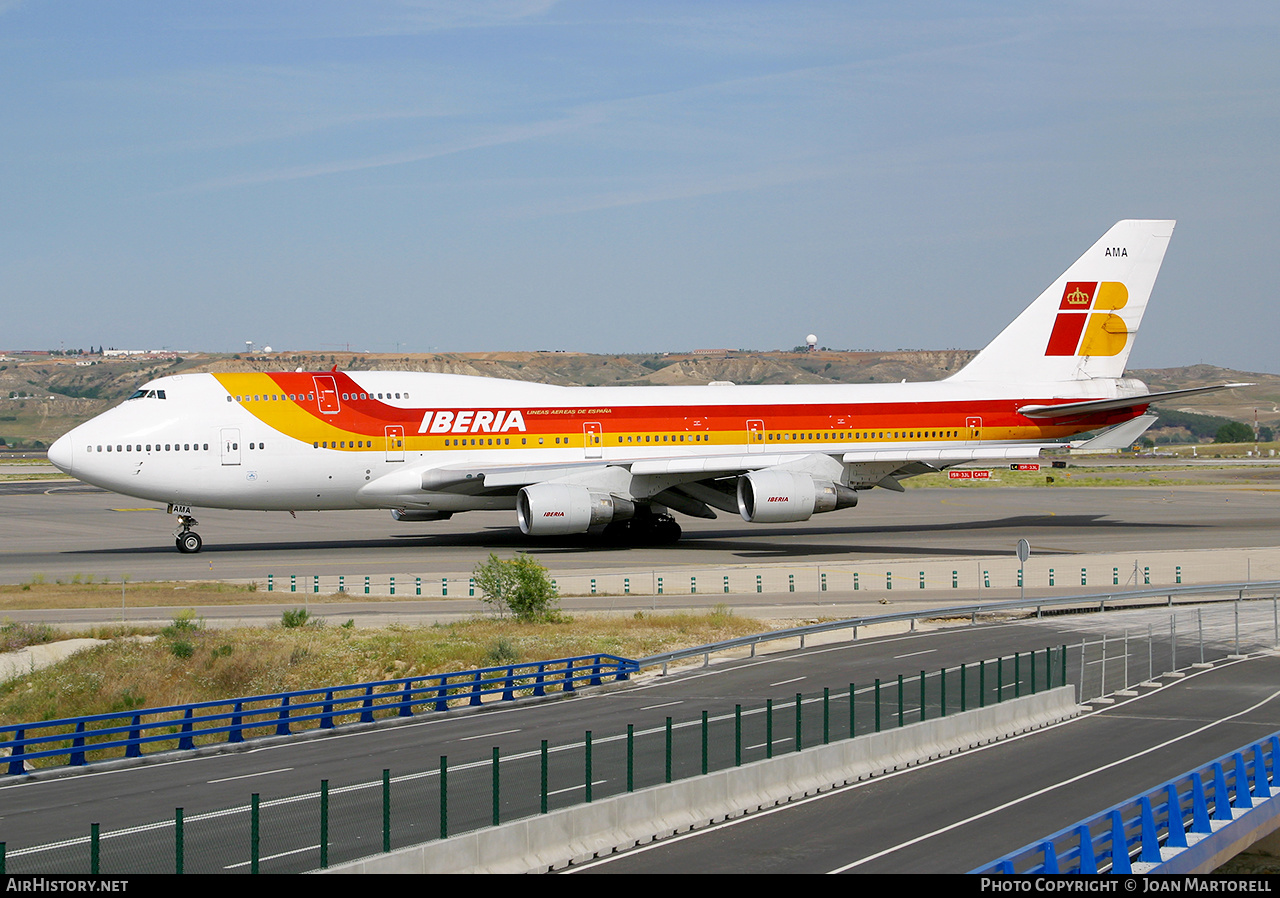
(214, 791)
(953, 815)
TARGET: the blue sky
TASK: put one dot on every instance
(627, 177)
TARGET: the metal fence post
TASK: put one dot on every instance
(826, 715)
(386, 810)
(737, 735)
(900, 697)
(922, 712)
(704, 743)
(254, 843)
(852, 731)
(444, 797)
(178, 846)
(542, 805)
(586, 744)
(668, 769)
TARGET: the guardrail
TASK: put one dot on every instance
(1266, 589)
(1186, 814)
(127, 734)
(425, 802)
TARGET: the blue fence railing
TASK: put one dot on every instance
(1198, 803)
(130, 734)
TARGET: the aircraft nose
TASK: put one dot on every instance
(61, 453)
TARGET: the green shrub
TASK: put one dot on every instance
(501, 651)
(519, 585)
(295, 617)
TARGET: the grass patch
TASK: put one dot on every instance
(81, 592)
(15, 635)
(192, 664)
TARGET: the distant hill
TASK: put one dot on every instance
(42, 397)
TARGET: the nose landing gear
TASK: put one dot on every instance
(186, 539)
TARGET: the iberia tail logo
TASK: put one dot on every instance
(1087, 323)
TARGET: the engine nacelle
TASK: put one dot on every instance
(550, 509)
(773, 497)
(414, 515)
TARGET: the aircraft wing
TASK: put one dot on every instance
(648, 478)
(460, 477)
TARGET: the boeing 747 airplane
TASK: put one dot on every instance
(618, 460)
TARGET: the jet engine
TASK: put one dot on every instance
(771, 496)
(558, 508)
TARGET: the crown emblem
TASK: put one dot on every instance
(1077, 297)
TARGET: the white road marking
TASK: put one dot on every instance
(245, 776)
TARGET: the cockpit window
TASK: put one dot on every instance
(147, 394)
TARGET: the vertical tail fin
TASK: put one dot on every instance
(1083, 326)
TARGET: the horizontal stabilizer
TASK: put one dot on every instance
(1121, 436)
(1101, 405)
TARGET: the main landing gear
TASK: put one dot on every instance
(186, 539)
(645, 529)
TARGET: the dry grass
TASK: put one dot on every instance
(191, 664)
(80, 591)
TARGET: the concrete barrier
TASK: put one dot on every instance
(941, 576)
(577, 834)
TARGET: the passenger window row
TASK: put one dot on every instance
(870, 435)
(281, 397)
(149, 447)
(294, 397)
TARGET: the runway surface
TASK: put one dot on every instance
(58, 531)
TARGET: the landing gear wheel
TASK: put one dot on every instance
(189, 543)
(645, 529)
(665, 530)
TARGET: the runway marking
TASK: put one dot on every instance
(913, 654)
(776, 743)
(663, 705)
(133, 509)
(272, 857)
(785, 682)
(488, 735)
(576, 788)
(246, 776)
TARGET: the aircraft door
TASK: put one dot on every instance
(395, 442)
(327, 394)
(973, 426)
(230, 445)
(593, 439)
(755, 436)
